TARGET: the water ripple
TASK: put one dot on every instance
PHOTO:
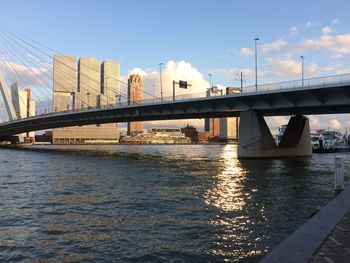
(192, 203)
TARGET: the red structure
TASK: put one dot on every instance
(215, 131)
(202, 137)
(190, 132)
(196, 136)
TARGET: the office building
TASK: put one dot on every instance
(135, 95)
(229, 126)
(89, 83)
(64, 82)
(81, 88)
(212, 125)
(110, 84)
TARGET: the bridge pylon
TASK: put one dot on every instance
(6, 96)
(256, 141)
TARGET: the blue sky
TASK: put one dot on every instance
(205, 36)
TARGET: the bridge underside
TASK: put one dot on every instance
(256, 140)
(302, 101)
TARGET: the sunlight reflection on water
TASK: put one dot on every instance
(228, 194)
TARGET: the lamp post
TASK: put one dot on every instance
(210, 80)
(302, 71)
(161, 85)
(88, 99)
(105, 89)
(256, 64)
(153, 85)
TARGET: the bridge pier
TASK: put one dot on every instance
(256, 141)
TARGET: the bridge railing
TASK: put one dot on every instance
(319, 81)
(149, 101)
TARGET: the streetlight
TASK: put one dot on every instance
(105, 88)
(302, 71)
(88, 99)
(210, 85)
(210, 80)
(161, 85)
(153, 85)
(256, 64)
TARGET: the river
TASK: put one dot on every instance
(166, 203)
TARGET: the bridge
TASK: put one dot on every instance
(325, 95)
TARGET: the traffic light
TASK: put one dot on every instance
(183, 84)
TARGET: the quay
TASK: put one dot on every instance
(324, 238)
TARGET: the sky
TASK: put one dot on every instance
(196, 38)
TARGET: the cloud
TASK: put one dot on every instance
(138, 71)
(280, 55)
(312, 24)
(291, 68)
(246, 51)
(176, 71)
(334, 124)
(234, 73)
(275, 122)
(327, 30)
(335, 21)
(274, 46)
(180, 70)
(293, 31)
(338, 122)
(339, 44)
(285, 68)
(335, 57)
(315, 122)
(333, 44)
(26, 76)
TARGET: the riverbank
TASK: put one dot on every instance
(311, 241)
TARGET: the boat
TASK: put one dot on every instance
(281, 131)
(322, 141)
(158, 136)
(329, 141)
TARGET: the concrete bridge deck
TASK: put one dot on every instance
(319, 99)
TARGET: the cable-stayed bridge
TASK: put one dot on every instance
(326, 95)
(331, 96)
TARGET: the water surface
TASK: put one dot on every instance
(168, 203)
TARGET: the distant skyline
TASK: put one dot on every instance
(195, 38)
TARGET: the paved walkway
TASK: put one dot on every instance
(324, 238)
(336, 247)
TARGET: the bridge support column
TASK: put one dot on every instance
(256, 141)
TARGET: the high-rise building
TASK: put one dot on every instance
(24, 106)
(229, 126)
(110, 84)
(212, 125)
(89, 83)
(64, 82)
(135, 95)
(81, 89)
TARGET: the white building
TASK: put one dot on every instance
(24, 106)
